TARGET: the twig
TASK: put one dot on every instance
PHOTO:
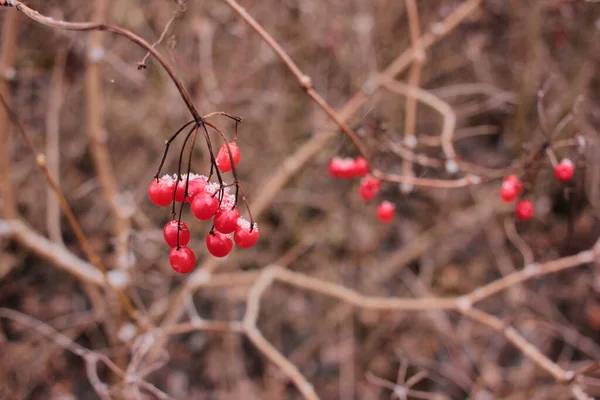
(7, 60)
(55, 101)
(414, 76)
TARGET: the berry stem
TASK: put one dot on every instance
(167, 144)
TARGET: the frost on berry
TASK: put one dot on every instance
(243, 237)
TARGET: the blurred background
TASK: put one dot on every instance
(103, 124)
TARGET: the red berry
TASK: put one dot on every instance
(180, 189)
(219, 244)
(386, 211)
(223, 160)
(204, 206)
(564, 170)
(195, 187)
(361, 167)
(335, 168)
(160, 192)
(182, 259)
(524, 210)
(226, 221)
(369, 187)
(508, 192)
(243, 237)
(515, 181)
(170, 234)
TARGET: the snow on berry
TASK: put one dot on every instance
(219, 244)
(386, 211)
(170, 232)
(182, 259)
(564, 170)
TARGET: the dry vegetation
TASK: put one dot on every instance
(453, 300)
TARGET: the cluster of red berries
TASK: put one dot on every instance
(349, 168)
(208, 200)
(512, 187)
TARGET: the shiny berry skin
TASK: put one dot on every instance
(508, 192)
(182, 259)
(386, 211)
(195, 187)
(515, 181)
(226, 221)
(361, 167)
(180, 190)
(170, 234)
(524, 210)
(223, 160)
(243, 237)
(219, 244)
(369, 188)
(564, 170)
(204, 206)
(160, 192)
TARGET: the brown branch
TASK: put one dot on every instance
(7, 72)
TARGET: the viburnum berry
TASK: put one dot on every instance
(170, 233)
(195, 187)
(516, 181)
(511, 188)
(226, 221)
(524, 210)
(219, 244)
(242, 235)
(508, 192)
(386, 211)
(180, 189)
(369, 187)
(160, 192)
(340, 168)
(182, 259)
(223, 160)
(204, 206)
(564, 170)
(361, 167)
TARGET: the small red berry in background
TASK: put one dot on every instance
(170, 233)
(160, 192)
(226, 221)
(219, 244)
(511, 188)
(223, 160)
(369, 188)
(242, 235)
(182, 260)
(515, 181)
(204, 206)
(361, 167)
(564, 170)
(524, 210)
(508, 192)
(386, 211)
